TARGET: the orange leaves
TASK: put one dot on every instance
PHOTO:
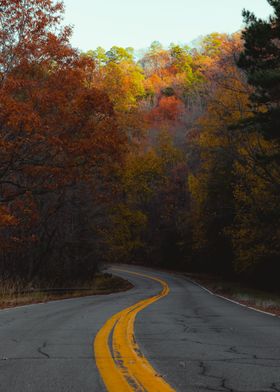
(168, 109)
(24, 30)
(20, 116)
(154, 84)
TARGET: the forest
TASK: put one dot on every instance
(170, 158)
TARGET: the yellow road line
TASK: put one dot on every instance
(125, 369)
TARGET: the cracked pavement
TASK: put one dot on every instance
(197, 341)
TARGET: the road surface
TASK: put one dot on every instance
(194, 341)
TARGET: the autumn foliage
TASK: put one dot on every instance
(58, 138)
(171, 159)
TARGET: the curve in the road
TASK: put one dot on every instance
(124, 368)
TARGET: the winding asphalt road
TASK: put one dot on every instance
(195, 341)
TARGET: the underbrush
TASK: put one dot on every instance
(17, 293)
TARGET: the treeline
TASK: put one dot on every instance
(169, 160)
(201, 192)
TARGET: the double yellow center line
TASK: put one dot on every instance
(123, 367)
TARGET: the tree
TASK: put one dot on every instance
(261, 62)
(211, 183)
(255, 231)
(58, 135)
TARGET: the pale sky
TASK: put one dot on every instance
(137, 23)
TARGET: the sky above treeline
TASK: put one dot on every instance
(137, 23)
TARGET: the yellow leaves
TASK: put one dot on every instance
(227, 105)
(124, 236)
(256, 233)
(123, 82)
(197, 191)
(257, 163)
(146, 171)
(142, 173)
(132, 218)
(166, 149)
(6, 218)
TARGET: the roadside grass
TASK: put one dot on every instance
(259, 299)
(17, 294)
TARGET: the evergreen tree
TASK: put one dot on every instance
(261, 62)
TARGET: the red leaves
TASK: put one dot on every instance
(168, 109)
(56, 131)
(29, 33)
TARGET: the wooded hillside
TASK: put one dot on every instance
(171, 159)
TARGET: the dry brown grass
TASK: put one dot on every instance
(11, 293)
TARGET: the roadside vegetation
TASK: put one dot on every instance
(170, 160)
(239, 291)
(12, 295)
